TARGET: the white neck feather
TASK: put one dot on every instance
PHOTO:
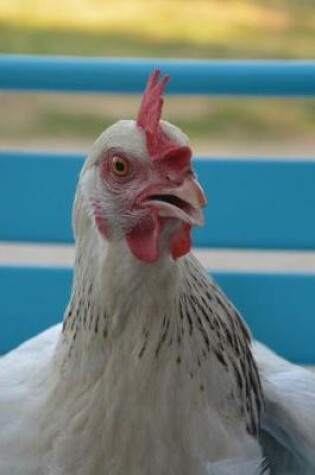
(116, 286)
(157, 369)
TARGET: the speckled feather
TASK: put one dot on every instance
(150, 387)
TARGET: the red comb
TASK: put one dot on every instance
(150, 110)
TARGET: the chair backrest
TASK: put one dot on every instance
(253, 203)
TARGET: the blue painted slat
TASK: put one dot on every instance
(43, 73)
(36, 194)
(32, 299)
(258, 204)
(278, 307)
(251, 203)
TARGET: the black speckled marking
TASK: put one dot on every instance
(205, 309)
(73, 323)
(96, 324)
(238, 376)
(203, 332)
(164, 335)
(105, 321)
(164, 321)
(142, 349)
(220, 357)
(89, 318)
(209, 296)
(184, 303)
(229, 336)
(86, 322)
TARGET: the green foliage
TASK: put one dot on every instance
(174, 28)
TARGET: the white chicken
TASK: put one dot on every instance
(152, 371)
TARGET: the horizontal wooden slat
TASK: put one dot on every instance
(252, 203)
(271, 78)
(279, 308)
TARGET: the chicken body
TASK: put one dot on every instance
(152, 372)
(138, 388)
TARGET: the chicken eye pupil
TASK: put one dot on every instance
(120, 166)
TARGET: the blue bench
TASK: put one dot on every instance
(253, 203)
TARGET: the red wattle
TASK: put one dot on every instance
(143, 239)
(180, 243)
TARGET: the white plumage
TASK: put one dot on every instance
(289, 392)
(152, 371)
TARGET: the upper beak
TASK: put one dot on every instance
(182, 201)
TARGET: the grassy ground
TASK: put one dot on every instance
(177, 28)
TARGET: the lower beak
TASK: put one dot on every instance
(183, 201)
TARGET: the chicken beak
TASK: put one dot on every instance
(182, 201)
(191, 192)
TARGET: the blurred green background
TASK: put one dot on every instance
(160, 28)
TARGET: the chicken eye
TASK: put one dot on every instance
(121, 166)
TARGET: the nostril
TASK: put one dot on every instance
(174, 179)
